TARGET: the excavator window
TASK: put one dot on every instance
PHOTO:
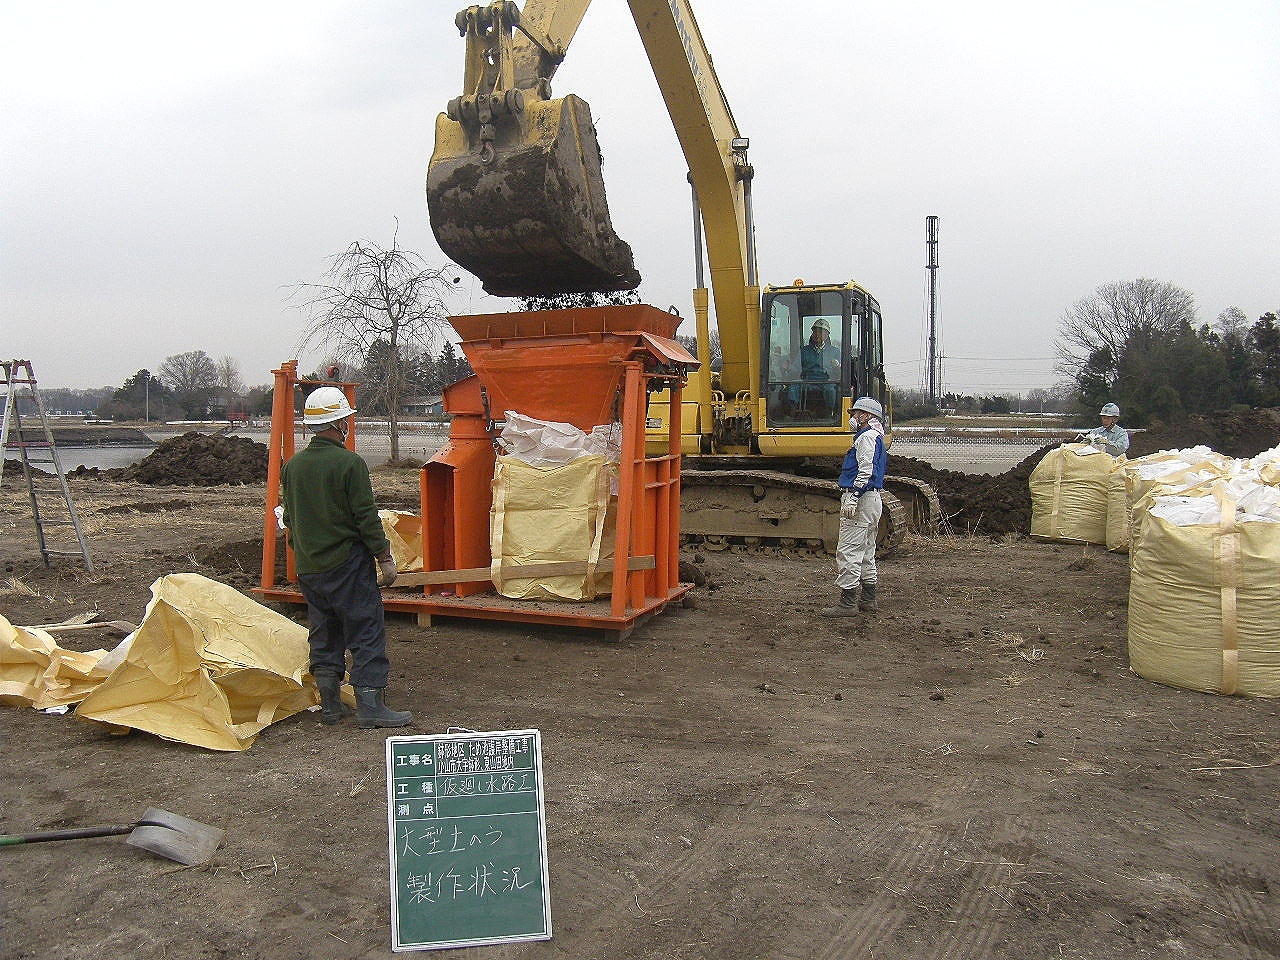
(872, 369)
(808, 356)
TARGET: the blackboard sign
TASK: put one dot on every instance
(467, 839)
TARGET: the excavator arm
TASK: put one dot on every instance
(515, 189)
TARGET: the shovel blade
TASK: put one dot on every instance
(532, 220)
(175, 837)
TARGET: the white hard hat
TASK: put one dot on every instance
(869, 405)
(822, 324)
(325, 405)
(1109, 410)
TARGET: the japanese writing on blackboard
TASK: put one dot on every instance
(468, 843)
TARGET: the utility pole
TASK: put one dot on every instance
(931, 252)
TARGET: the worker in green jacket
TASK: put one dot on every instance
(342, 558)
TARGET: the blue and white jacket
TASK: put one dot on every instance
(865, 463)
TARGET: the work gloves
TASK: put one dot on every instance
(386, 572)
(848, 505)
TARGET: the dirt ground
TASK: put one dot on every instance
(974, 772)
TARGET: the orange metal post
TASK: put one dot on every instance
(281, 410)
(626, 499)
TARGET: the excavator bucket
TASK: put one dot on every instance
(529, 217)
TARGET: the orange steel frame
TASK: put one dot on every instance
(455, 486)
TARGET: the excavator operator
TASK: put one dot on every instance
(819, 360)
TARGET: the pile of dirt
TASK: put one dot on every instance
(1240, 434)
(974, 504)
(192, 460)
(13, 472)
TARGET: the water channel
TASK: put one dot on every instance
(375, 448)
(979, 456)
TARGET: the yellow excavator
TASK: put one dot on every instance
(516, 196)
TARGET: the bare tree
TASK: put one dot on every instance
(192, 377)
(1096, 330)
(229, 379)
(1232, 324)
(378, 308)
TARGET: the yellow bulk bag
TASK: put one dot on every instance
(1118, 516)
(1169, 472)
(207, 666)
(544, 514)
(35, 670)
(404, 532)
(1069, 494)
(1173, 469)
(1204, 611)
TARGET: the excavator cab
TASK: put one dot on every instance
(821, 345)
(515, 188)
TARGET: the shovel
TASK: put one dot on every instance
(184, 841)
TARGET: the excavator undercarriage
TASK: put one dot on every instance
(751, 510)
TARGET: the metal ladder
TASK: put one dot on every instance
(36, 450)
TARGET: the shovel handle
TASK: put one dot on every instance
(82, 833)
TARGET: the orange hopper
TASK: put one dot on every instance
(587, 366)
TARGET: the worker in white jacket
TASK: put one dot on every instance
(861, 480)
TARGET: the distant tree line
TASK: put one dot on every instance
(913, 404)
(186, 386)
(420, 377)
(1140, 344)
(193, 386)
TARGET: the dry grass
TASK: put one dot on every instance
(16, 588)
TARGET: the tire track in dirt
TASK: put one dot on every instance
(909, 858)
(700, 868)
(1242, 895)
(875, 922)
(980, 906)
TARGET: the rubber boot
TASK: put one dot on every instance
(868, 602)
(847, 606)
(332, 709)
(372, 712)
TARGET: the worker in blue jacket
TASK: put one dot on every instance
(1110, 437)
(861, 480)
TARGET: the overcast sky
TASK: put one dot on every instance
(168, 171)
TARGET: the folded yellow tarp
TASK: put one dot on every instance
(35, 670)
(207, 666)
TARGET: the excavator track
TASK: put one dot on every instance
(768, 510)
(919, 502)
